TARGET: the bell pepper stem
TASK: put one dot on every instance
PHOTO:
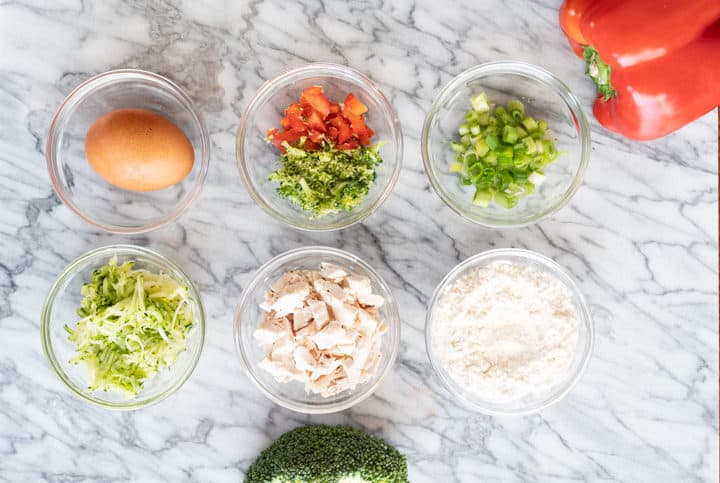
(599, 72)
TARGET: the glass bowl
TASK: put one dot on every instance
(95, 200)
(544, 96)
(248, 316)
(536, 401)
(61, 306)
(257, 159)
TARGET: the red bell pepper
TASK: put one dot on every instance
(655, 63)
(353, 106)
(316, 122)
(314, 98)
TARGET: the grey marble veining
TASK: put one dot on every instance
(639, 236)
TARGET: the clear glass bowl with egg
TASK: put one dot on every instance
(60, 308)
(544, 97)
(93, 198)
(535, 401)
(257, 159)
(248, 316)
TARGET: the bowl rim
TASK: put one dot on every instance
(302, 71)
(367, 389)
(584, 317)
(536, 74)
(45, 318)
(88, 87)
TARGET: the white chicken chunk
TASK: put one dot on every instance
(319, 312)
(330, 292)
(287, 298)
(332, 272)
(282, 370)
(333, 334)
(271, 329)
(371, 299)
(367, 324)
(307, 332)
(304, 359)
(342, 350)
(359, 284)
(326, 364)
(301, 318)
(283, 347)
(344, 313)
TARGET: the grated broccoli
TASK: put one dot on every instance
(327, 181)
(328, 454)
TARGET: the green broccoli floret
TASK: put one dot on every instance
(327, 181)
(328, 454)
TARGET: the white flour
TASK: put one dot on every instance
(505, 331)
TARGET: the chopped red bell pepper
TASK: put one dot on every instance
(315, 136)
(294, 109)
(655, 64)
(318, 121)
(343, 127)
(311, 146)
(290, 136)
(353, 106)
(352, 144)
(314, 97)
(296, 123)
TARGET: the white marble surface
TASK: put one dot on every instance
(640, 236)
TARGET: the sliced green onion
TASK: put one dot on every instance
(502, 152)
(481, 147)
(516, 106)
(530, 124)
(480, 102)
(457, 147)
(482, 198)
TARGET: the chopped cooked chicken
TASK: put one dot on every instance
(301, 318)
(307, 332)
(326, 364)
(322, 328)
(370, 299)
(286, 297)
(332, 272)
(359, 284)
(342, 350)
(367, 324)
(283, 347)
(319, 312)
(344, 313)
(304, 359)
(330, 292)
(333, 334)
(281, 370)
(271, 329)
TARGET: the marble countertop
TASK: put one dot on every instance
(640, 236)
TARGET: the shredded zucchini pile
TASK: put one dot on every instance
(133, 324)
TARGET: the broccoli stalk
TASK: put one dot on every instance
(328, 454)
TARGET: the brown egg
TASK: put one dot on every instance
(138, 150)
